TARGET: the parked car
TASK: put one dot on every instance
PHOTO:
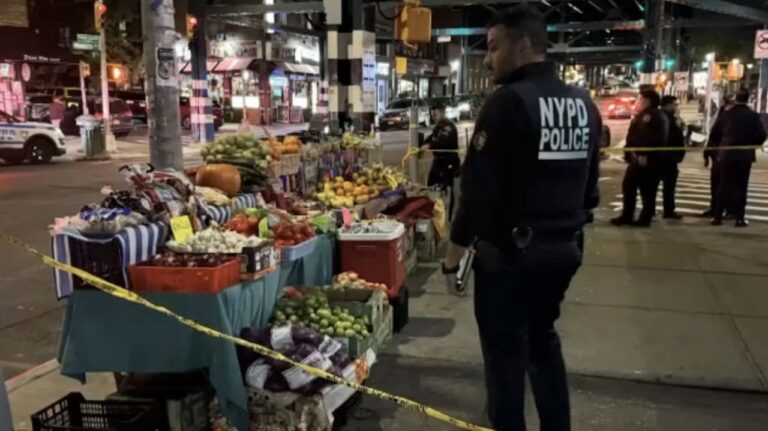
(398, 114)
(121, 117)
(620, 107)
(609, 90)
(137, 102)
(39, 106)
(185, 111)
(468, 105)
(451, 107)
(29, 140)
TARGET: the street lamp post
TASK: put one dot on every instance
(245, 77)
(708, 94)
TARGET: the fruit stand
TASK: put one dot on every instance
(242, 246)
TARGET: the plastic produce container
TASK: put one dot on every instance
(74, 412)
(378, 258)
(186, 280)
(296, 252)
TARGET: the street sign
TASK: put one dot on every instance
(81, 46)
(87, 38)
(681, 80)
(761, 44)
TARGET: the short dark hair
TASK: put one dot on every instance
(524, 21)
(651, 96)
(742, 95)
(666, 100)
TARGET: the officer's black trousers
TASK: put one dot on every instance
(644, 179)
(516, 308)
(714, 186)
(668, 175)
(733, 189)
(443, 175)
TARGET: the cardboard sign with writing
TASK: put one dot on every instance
(181, 227)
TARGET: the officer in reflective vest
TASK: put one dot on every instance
(528, 186)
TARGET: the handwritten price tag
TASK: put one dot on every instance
(346, 216)
(181, 227)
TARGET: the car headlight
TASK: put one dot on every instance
(59, 133)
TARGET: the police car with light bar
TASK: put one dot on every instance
(27, 140)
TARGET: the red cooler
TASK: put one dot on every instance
(378, 258)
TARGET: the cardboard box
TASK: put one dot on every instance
(383, 329)
(359, 302)
(426, 241)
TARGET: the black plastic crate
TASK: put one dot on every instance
(400, 312)
(74, 413)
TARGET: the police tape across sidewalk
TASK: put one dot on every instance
(130, 296)
(415, 151)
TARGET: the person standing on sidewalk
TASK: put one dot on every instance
(668, 160)
(738, 126)
(445, 160)
(711, 162)
(56, 111)
(528, 185)
(649, 128)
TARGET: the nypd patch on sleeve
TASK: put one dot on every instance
(564, 128)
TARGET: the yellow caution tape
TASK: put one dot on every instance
(130, 296)
(415, 151)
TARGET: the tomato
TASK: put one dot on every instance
(307, 231)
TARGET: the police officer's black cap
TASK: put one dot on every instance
(666, 100)
(437, 105)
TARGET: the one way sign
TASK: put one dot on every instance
(761, 44)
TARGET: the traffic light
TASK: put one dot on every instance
(669, 63)
(99, 11)
(117, 73)
(191, 26)
(639, 64)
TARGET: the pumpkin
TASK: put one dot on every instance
(219, 176)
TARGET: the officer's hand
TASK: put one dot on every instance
(450, 280)
(642, 160)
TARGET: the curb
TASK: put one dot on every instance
(31, 375)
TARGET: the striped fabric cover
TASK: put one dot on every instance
(137, 244)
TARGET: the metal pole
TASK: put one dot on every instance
(162, 85)
(108, 137)
(413, 143)
(82, 89)
(708, 94)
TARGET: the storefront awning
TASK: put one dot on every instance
(209, 66)
(233, 64)
(298, 68)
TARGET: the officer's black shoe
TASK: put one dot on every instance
(621, 221)
(741, 223)
(642, 223)
(708, 213)
(673, 216)
(716, 222)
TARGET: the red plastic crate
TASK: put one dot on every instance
(185, 280)
(376, 261)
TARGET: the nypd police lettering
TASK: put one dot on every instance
(564, 128)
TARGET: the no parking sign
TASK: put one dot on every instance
(761, 44)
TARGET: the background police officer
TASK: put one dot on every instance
(668, 160)
(738, 126)
(444, 141)
(528, 183)
(649, 128)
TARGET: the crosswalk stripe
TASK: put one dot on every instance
(692, 195)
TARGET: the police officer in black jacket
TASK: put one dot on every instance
(668, 160)
(735, 127)
(649, 128)
(528, 186)
(444, 141)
